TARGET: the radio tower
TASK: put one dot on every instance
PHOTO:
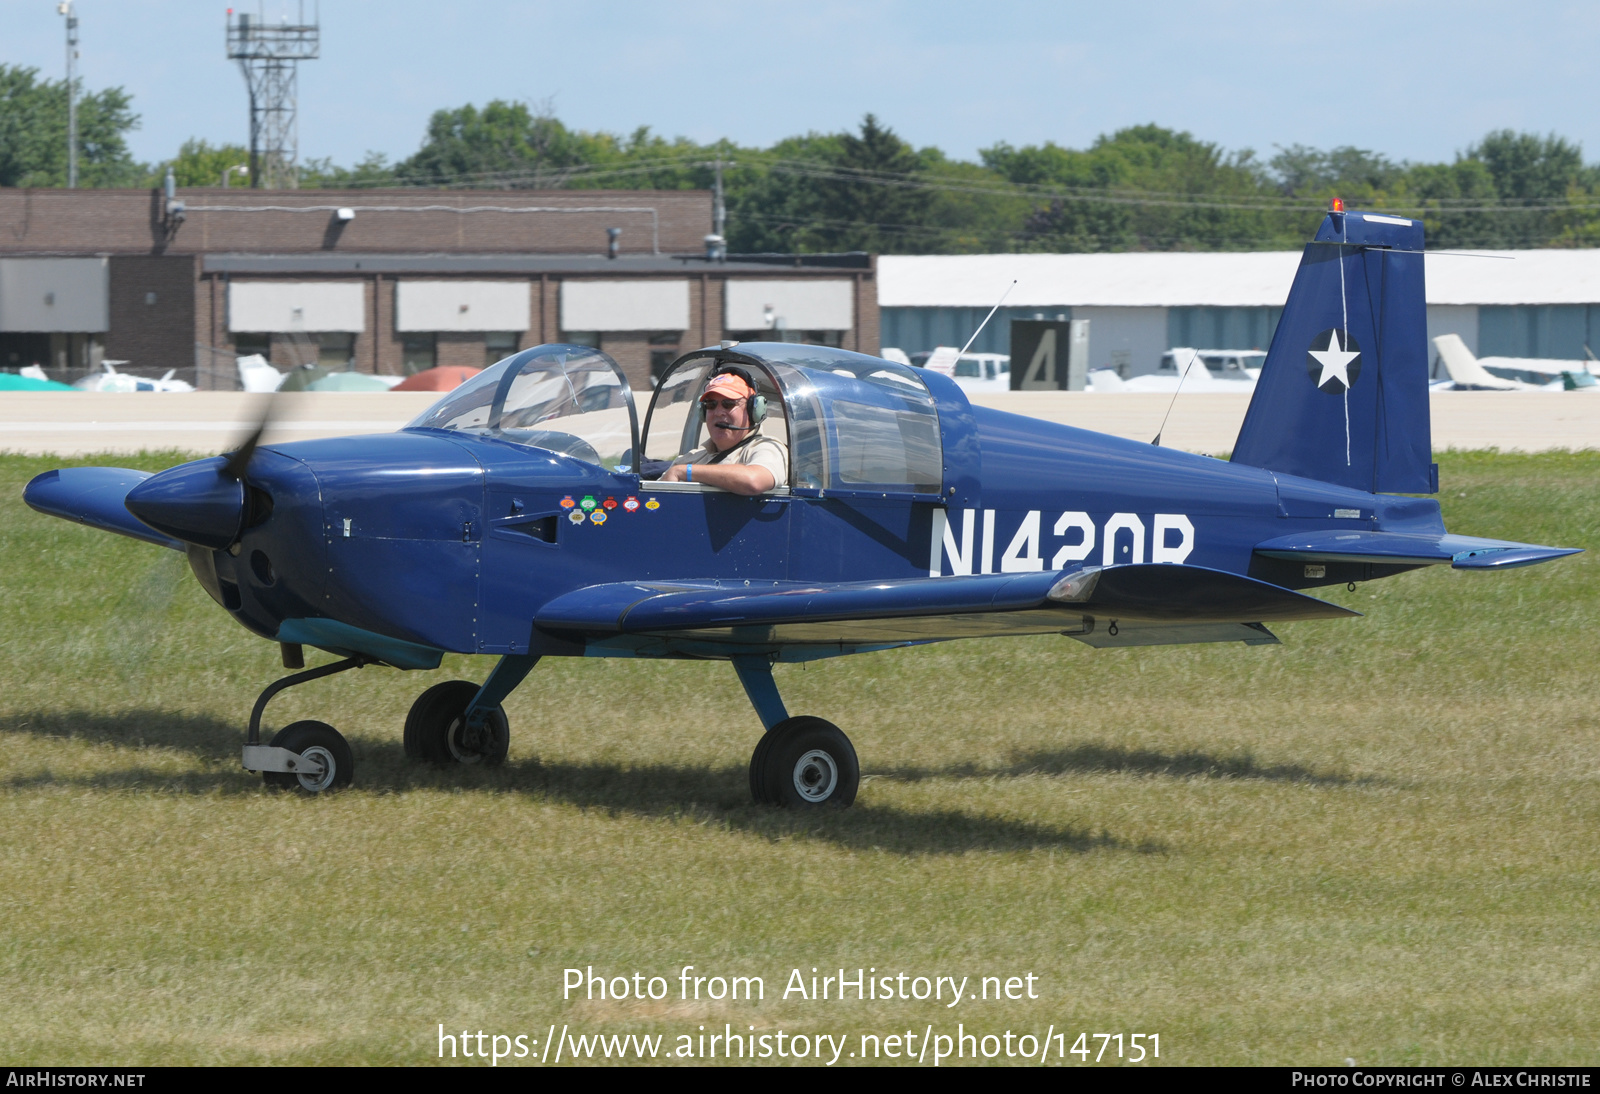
(268, 55)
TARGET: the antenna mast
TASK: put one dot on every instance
(268, 55)
(65, 8)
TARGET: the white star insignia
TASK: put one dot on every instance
(1335, 362)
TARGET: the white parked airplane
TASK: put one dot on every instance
(109, 379)
(1469, 372)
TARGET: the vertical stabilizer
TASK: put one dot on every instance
(1343, 396)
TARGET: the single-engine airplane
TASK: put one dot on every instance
(522, 516)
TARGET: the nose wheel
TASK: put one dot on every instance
(804, 763)
(326, 762)
(310, 756)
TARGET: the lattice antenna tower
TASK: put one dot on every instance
(268, 54)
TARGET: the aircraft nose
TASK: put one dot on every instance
(195, 502)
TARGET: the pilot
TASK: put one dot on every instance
(736, 456)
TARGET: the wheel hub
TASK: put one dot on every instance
(815, 776)
(318, 783)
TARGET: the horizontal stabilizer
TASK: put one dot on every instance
(94, 496)
(1409, 549)
(929, 609)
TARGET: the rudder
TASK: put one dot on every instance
(1343, 396)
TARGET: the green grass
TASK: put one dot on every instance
(1376, 841)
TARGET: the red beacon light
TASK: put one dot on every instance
(1336, 205)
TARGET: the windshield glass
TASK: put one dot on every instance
(568, 399)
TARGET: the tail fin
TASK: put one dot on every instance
(1343, 396)
(1464, 368)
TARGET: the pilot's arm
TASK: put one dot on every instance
(755, 469)
(737, 478)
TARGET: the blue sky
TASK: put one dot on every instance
(1414, 80)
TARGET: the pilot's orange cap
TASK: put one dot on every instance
(727, 386)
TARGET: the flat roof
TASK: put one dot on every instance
(623, 265)
(1225, 279)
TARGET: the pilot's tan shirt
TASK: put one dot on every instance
(761, 452)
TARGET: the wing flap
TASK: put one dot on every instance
(94, 496)
(1409, 549)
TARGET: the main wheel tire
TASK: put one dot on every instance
(316, 740)
(758, 769)
(436, 728)
(809, 763)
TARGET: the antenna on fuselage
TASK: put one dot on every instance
(1182, 376)
(986, 318)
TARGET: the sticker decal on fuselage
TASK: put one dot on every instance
(963, 541)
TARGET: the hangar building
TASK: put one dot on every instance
(395, 281)
(1542, 303)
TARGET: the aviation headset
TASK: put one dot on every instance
(756, 404)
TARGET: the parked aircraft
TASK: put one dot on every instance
(109, 379)
(1472, 373)
(512, 519)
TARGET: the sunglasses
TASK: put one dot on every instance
(725, 404)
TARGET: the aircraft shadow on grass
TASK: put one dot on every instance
(1088, 759)
(660, 789)
(656, 790)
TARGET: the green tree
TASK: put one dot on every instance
(198, 163)
(33, 133)
(506, 145)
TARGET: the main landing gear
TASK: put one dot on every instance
(801, 762)
(459, 722)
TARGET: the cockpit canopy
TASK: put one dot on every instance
(568, 399)
(852, 423)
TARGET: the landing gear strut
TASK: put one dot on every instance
(311, 755)
(459, 722)
(801, 762)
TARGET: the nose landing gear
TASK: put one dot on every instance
(312, 756)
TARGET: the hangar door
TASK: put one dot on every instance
(55, 295)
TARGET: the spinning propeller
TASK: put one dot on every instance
(206, 502)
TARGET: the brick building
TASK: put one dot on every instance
(394, 281)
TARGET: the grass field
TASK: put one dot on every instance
(1377, 841)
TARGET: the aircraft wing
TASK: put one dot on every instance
(94, 496)
(1410, 549)
(1114, 605)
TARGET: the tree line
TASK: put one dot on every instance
(1141, 188)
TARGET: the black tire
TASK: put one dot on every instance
(758, 769)
(321, 740)
(809, 764)
(436, 732)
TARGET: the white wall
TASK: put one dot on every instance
(1138, 333)
(462, 305)
(55, 295)
(621, 305)
(292, 306)
(812, 304)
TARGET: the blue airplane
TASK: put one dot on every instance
(526, 515)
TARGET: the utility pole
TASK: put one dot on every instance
(717, 241)
(65, 8)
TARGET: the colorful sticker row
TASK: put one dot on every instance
(595, 512)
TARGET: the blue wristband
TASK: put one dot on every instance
(688, 472)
